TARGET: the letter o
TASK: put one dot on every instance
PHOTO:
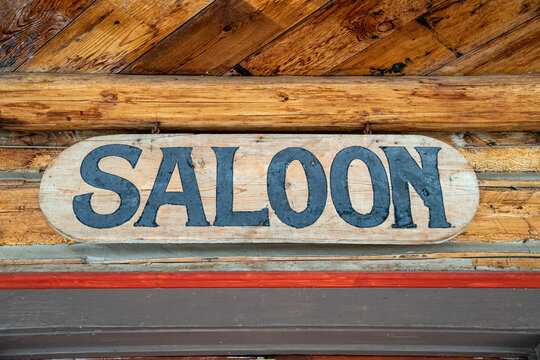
(317, 187)
(339, 187)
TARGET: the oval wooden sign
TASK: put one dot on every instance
(247, 188)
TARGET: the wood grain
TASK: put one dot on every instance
(488, 139)
(111, 34)
(26, 159)
(503, 159)
(463, 26)
(411, 50)
(508, 263)
(333, 35)
(225, 34)
(46, 139)
(67, 138)
(449, 31)
(506, 213)
(208, 280)
(515, 52)
(455, 256)
(26, 25)
(490, 159)
(527, 258)
(21, 219)
(35, 102)
(252, 192)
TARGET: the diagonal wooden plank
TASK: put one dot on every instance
(112, 34)
(332, 35)
(26, 25)
(411, 50)
(515, 52)
(463, 26)
(225, 34)
(439, 37)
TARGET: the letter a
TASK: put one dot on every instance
(190, 197)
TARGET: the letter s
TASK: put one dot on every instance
(92, 175)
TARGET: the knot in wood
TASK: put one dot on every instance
(385, 26)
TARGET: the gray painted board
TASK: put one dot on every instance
(479, 322)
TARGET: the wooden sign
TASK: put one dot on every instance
(248, 188)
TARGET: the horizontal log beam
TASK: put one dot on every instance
(36, 102)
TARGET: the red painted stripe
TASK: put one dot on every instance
(132, 280)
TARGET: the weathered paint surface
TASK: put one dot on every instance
(260, 188)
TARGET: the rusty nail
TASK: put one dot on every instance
(155, 130)
(367, 130)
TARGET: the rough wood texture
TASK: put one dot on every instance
(26, 25)
(412, 49)
(307, 37)
(517, 51)
(457, 256)
(449, 31)
(503, 159)
(26, 159)
(505, 214)
(479, 21)
(309, 212)
(489, 159)
(111, 34)
(349, 27)
(225, 34)
(21, 219)
(508, 263)
(78, 102)
(68, 138)
(45, 139)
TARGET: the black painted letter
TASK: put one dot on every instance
(425, 180)
(190, 197)
(339, 187)
(92, 175)
(317, 187)
(225, 215)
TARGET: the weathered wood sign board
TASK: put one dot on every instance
(249, 188)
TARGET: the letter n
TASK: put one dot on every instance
(404, 171)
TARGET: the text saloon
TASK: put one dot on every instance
(245, 188)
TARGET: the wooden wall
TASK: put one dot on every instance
(492, 120)
(264, 37)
